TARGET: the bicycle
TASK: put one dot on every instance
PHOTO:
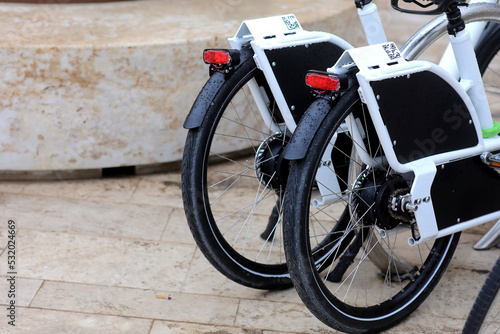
(238, 129)
(244, 116)
(391, 162)
(484, 316)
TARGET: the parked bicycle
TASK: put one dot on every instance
(391, 162)
(239, 127)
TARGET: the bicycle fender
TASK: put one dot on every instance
(200, 106)
(312, 120)
(306, 129)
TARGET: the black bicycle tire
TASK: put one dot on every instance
(483, 302)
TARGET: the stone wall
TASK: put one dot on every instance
(89, 86)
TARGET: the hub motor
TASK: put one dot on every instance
(375, 195)
(270, 167)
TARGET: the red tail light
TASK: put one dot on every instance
(217, 57)
(323, 81)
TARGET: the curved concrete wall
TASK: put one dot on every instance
(90, 86)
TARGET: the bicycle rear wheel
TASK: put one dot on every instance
(228, 200)
(372, 278)
(233, 174)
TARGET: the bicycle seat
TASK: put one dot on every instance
(425, 7)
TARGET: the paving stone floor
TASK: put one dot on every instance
(97, 256)
(114, 255)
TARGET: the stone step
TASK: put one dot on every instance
(98, 85)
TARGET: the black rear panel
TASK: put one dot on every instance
(291, 65)
(424, 116)
(464, 190)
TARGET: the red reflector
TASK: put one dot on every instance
(217, 57)
(322, 81)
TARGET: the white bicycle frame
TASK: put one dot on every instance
(374, 64)
(284, 35)
(290, 34)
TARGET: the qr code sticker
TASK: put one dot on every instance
(392, 51)
(291, 22)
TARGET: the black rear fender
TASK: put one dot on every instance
(202, 103)
(312, 120)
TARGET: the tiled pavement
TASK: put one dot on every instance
(114, 255)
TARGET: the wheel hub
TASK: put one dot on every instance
(270, 167)
(375, 194)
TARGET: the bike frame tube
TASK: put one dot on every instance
(414, 47)
(374, 32)
(372, 25)
(471, 76)
(475, 30)
(261, 103)
(370, 61)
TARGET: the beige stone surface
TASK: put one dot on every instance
(480, 261)
(99, 260)
(27, 288)
(160, 327)
(201, 270)
(72, 277)
(32, 320)
(104, 190)
(87, 217)
(177, 230)
(140, 303)
(87, 86)
(150, 191)
(269, 316)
